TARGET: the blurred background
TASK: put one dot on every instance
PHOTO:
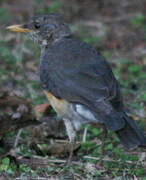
(115, 28)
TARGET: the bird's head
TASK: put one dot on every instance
(44, 29)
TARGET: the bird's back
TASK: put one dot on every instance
(78, 61)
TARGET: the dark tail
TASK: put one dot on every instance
(131, 135)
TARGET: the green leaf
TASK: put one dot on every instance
(139, 20)
(3, 167)
(143, 96)
(6, 161)
(25, 168)
(109, 147)
(96, 131)
(134, 68)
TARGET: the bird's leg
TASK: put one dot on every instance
(85, 134)
(71, 134)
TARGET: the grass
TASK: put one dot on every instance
(99, 157)
(139, 21)
(108, 159)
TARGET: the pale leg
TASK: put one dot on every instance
(71, 134)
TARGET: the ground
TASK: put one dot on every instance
(117, 30)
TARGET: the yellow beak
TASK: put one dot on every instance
(18, 28)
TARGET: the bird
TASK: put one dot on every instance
(78, 81)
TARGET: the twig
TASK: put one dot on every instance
(110, 160)
(89, 157)
(17, 138)
(63, 161)
(65, 141)
(43, 161)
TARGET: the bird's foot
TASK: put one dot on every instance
(71, 149)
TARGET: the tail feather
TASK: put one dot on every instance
(131, 135)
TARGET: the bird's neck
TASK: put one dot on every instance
(43, 48)
(56, 36)
(48, 43)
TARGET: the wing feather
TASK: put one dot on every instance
(74, 71)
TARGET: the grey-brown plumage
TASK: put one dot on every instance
(78, 75)
(73, 70)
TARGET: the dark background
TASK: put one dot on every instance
(117, 29)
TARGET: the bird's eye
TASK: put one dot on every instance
(37, 26)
